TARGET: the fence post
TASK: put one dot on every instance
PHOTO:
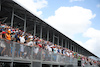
(65, 60)
(13, 51)
(51, 56)
(59, 58)
(41, 54)
(32, 57)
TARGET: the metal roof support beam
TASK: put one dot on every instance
(81, 50)
(25, 23)
(62, 43)
(73, 48)
(34, 28)
(84, 52)
(65, 44)
(12, 19)
(70, 45)
(53, 37)
(19, 17)
(41, 32)
(48, 35)
(0, 5)
(77, 49)
(58, 40)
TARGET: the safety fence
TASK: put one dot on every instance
(17, 50)
(22, 51)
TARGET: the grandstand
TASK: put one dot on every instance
(14, 15)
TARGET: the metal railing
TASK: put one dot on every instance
(46, 55)
(21, 51)
(6, 48)
(37, 53)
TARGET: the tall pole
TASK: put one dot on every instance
(0, 5)
(34, 28)
(77, 49)
(12, 16)
(58, 39)
(25, 23)
(41, 32)
(62, 42)
(53, 37)
(65, 44)
(70, 45)
(48, 35)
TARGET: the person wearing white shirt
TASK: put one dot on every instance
(31, 37)
(71, 57)
(67, 53)
(28, 46)
(22, 41)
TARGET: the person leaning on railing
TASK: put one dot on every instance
(29, 45)
(8, 42)
(2, 45)
(22, 42)
(8, 36)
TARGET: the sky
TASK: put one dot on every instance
(77, 19)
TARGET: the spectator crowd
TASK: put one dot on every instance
(9, 35)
